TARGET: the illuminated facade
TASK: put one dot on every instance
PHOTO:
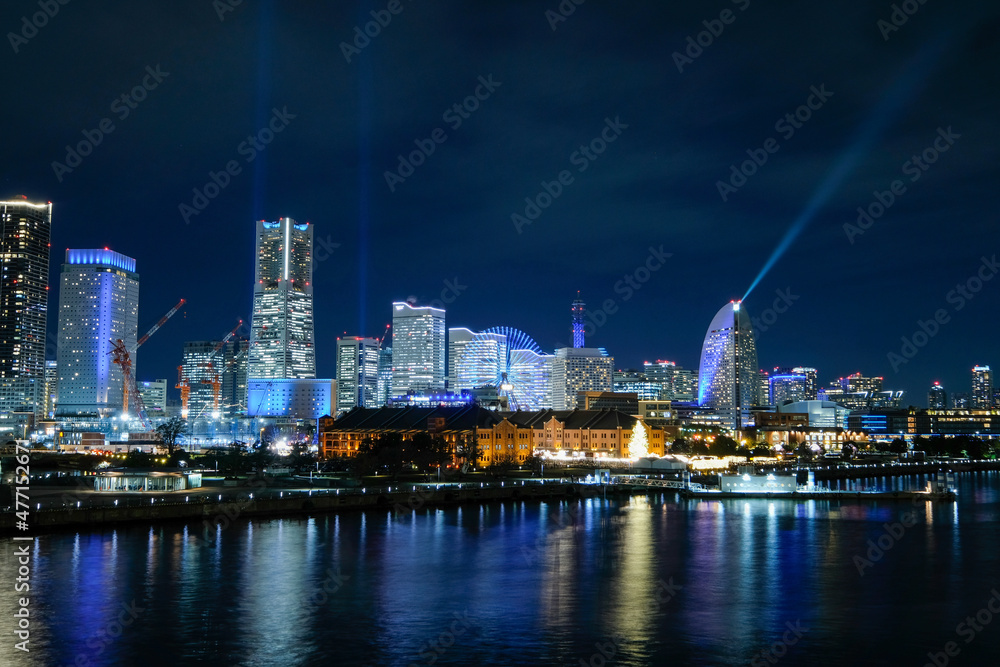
(201, 369)
(937, 398)
(812, 383)
(357, 373)
(384, 376)
(282, 339)
(24, 299)
(98, 303)
(475, 359)
(679, 384)
(578, 323)
(233, 368)
(293, 398)
(982, 388)
(579, 369)
(418, 348)
(787, 388)
(728, 379)
(529, 375)
(154, 395)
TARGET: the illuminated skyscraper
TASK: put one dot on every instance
(982, 388)
(233, 368)
(529, 375)
(579, 369)
(418, 348)
(202, 368)
(384, 376)
(578, 323)
(937, 398)
(812, 383)
(357, 373)
(728, 378)
(787, 388)
(98, 303)
(475, 359)
(24, 300)
(282, 340)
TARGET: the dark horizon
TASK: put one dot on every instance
(676, 130)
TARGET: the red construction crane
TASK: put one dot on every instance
(212, 375)
(123, 357)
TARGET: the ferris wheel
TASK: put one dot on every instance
(510, 382)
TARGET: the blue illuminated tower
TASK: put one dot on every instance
(98, 303)
(728, 380)
(578, 325)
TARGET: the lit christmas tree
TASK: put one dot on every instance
(638, 446)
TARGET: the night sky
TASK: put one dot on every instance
(886, 92)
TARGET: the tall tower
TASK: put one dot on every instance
(24, 301)
(418, 348)
(282, 339)
(982, 388)
(728, 379)
(578, 324)
(937, 398)
(98, 303)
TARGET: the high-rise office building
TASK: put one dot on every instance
(764, 393)
(960, 400)
(282, 339)
(937, 398)
(418, 348)
(788, 388)
(51, 387)
(858, 383)
(679, 384)
(201, 368)
(233, 369)
(357, 373)
(98, 304)
(982, 388)
(24, 302)
(384, 376)
(475, 359)
(579, 369)
(154, 395)
(812, 383)
(635, 382)
(728, 377)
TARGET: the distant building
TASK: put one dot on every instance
(679, 384)
(728, 378)
(302, 398)
(982, 388)
(25, 229)
(858, 383)
(357, 373)
(418, 348)
(788, 388)
(531, 380)
(823, 414)
(203, 381)
(960, 400)
(937, 398)
(578, 309)
(233, 367)
(282, 337)
(51, 388)
(607, 400)
(812, 384)
(579, 369)
(98, 304)
(154, 395)
(384, 376)
(633, 381)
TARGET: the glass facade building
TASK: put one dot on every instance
(579, 369)
(982, 388)
(475, 359)
(282, 337)
(24, 299)
(728, 376)
(98, 304)
(418, 348)
(357, 373)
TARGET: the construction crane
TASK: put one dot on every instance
(211, 376)
(381, 341)
(123, 357)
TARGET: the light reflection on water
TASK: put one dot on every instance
(525, 583)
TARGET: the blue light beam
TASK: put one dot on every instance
(903, 89)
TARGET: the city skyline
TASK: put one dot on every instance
(650, 199)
